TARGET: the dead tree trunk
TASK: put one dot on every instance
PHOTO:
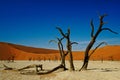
(68, 46)
(69, 49)
(61, 51)
(93, 40)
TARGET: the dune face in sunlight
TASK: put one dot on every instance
(8, 50)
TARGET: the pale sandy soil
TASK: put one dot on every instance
(108, 70)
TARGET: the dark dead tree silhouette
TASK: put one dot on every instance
(30, 59)
(11, 58)
(111, 58)
(61, 50)
(94, 36)
(68, 46)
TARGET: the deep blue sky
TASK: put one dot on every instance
(33, 22)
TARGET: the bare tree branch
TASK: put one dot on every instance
(109, 30)
(68, 46)
(7, 68)
(68, 31)
(54, 69)
(97, 47)
(100, 25)
(52, 41)
(101, 21)
(60, 44)
(60, 39)
(61, 32)
(74, 43)
(102, 16)
(92, 26)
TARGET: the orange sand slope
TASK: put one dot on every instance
(19, 52)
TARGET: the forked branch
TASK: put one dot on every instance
(102, 16)
(101, 21)
(60, 45)
(61, 32)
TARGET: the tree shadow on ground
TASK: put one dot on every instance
(109, 69)
(104, 69)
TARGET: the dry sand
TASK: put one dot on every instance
(8, 51)
(108, 70)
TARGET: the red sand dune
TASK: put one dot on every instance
(8, 50)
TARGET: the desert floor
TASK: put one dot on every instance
(108, 70)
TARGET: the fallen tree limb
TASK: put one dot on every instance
(27, 67)
(32, 66)
(37, 71)
(8, 68)
(54, 69)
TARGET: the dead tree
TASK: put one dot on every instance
(111, 58)
(94, 36)
(68, 46)
(61, 51)
(30, 59)
(11, 58)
